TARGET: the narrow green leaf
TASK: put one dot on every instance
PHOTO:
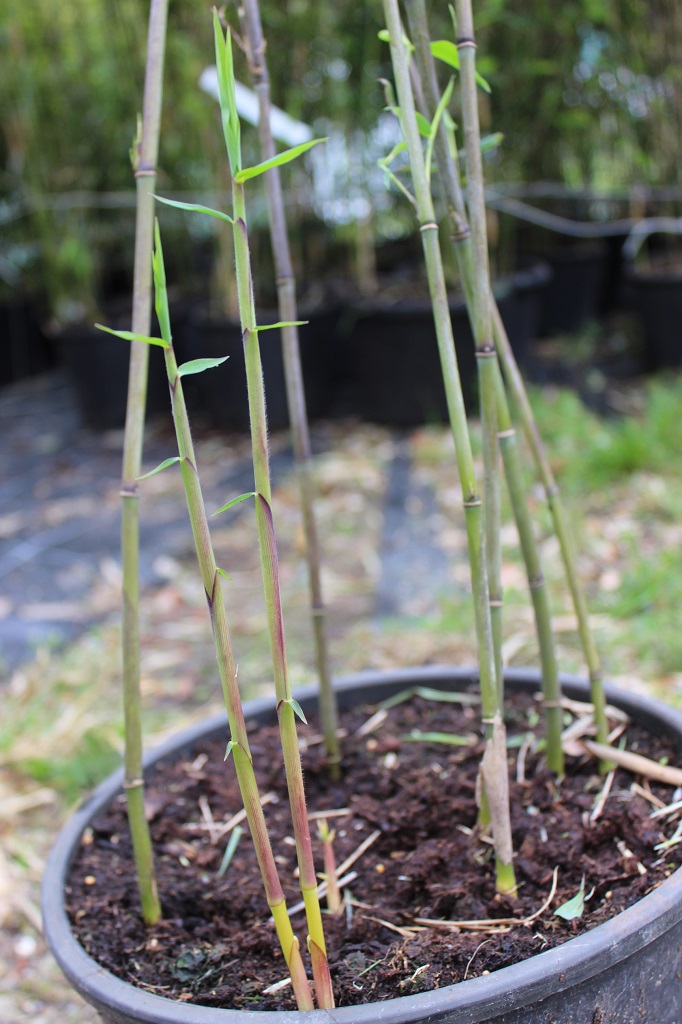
(422, 122)
(163, 465)
(284, 323)
(235, 501)
(298, 710)
(276, 161)
(386, 161)
(160, 291)
(230, 850)
(385, 36)
(574, 907)
(228, 750)
(195, 208)
(228, 103)
(129, 336)
(440, 737)
(490, 142)
(221, 572)
(427, 693)
(440, 110)
(199, 365)
(443, 49)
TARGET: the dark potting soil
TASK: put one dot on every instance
(216, 945)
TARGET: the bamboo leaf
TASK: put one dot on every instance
(228, 103)
(298, 710)
(284, 323)
(385, 36)
(573, 908)
(228, 750)
(199, 365)
(195, 208)
(221, 572)
(416, 736)
(422, 122)
(276, 161)
(490, 142)
(235, 501)
(129, 336)
(440, 110)
(446, 51)
(230, 850)
(162, 465)
(160, 292)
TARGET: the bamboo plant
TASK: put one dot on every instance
(144, 156)
(286, 296)
(287, 707)
(493, 768)
(448, 169)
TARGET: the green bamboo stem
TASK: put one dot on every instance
(482, 318)
(265, 524)
(494, 766)
(454, 199)
(270, 572)
(461, 236)
(288, 313)
(239, 744)
(144, 161)
(514, 382)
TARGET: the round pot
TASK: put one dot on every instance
(395, 375)
(98, 364)
(574, 293)
(220, 395)
(656, 297)
(626, 971)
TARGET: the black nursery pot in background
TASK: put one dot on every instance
(655, 294)
(220, 396)
(575, 292)
(97, 364)
(393, 368)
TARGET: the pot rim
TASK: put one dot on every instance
(505, 990)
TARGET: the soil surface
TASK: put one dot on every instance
(413, 800)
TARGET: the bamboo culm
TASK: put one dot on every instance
(454, 199)
(145, 157)
(288, 313)
(494, 761)
(265, 525)
(239, 745)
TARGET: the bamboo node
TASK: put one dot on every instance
(536, 583)
(466, 41)
(133, 784)
(472, 503)
(486, 353)
(129, 491)
(487, 721)
(549, 704)
(432, 226)
(496, 602)
(501, 434)
(145, 172)
(462, 234)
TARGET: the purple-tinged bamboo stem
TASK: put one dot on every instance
(239, 744)
(270, 572)
(288, 313)
(144, 161)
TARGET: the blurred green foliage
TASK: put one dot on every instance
(585, 92)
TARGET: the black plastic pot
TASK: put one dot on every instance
(393, 369)
(220, 395)
(626, 971)
(656, 297)
(24, 349)
(575, 292)
(98, 368)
